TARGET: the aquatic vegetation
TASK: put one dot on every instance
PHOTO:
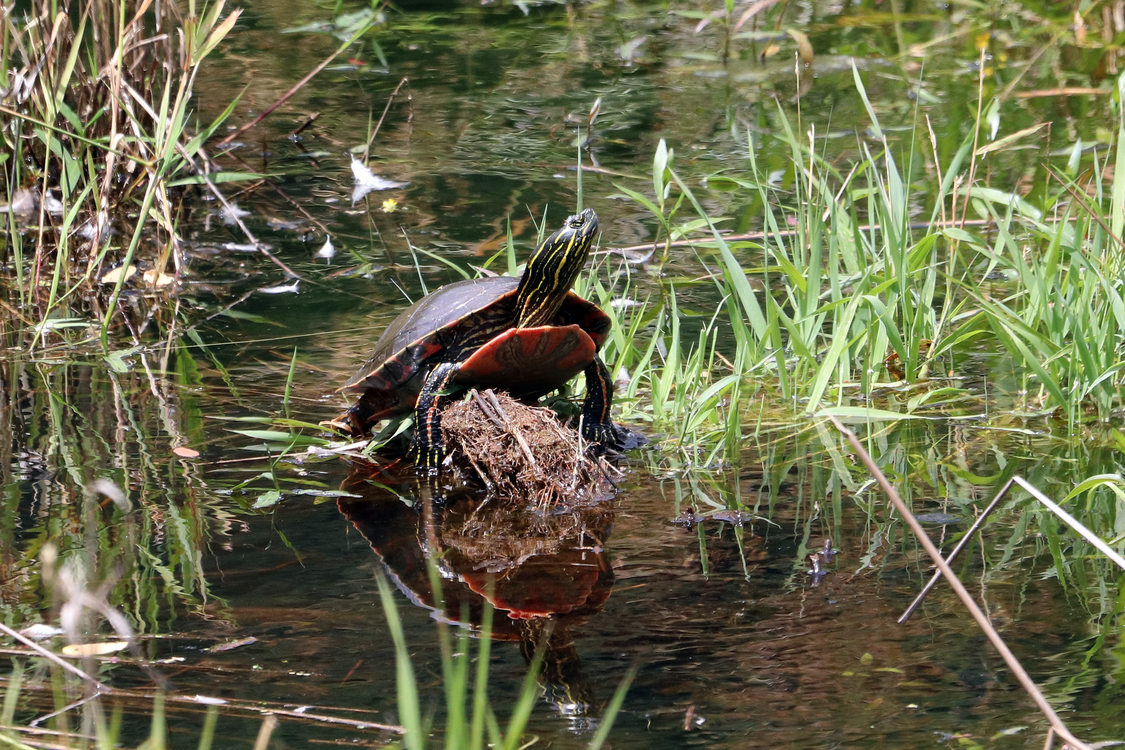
(846, 316)
(98, 146)
(102, 151)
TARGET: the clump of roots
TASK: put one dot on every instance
(523, 452)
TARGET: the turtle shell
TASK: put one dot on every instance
(454, 322)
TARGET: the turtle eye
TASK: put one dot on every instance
(576, 221)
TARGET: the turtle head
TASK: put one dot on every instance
(552, 269)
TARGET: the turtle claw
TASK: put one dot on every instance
(603, 436)
(427, 461)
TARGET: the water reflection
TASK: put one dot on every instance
(542, 573)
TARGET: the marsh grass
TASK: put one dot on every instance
(99, 148)
(905, 309)
(847, 302)
(108, 528)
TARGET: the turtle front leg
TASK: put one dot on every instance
(427, 415)
(597, 426)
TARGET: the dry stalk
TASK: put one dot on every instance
(1057, 726)
(53, 658)
(1051, 505)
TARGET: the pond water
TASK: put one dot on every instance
(247, 579)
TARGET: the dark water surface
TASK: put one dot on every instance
(734, 643)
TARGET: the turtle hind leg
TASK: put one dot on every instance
(355, 421)
(597, 427)
(427, 416)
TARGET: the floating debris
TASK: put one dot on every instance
(735, 517)
(97, 229)
(245, 247)
(816, 573)
(522, 451)
(367, 181)
(26, 202)
(817, 561)
(80, 650)
(688, 519)
(232, 645)
(327, 250)
(944, 519)
(41, 631)
(157, 279)
(112, 275)
(281, 288)
(232, 214)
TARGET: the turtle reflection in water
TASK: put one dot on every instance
(543, 574)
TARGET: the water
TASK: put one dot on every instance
(733, 644)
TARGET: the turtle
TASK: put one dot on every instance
(526, 335)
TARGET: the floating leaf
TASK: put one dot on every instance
(77, 650)
(267, 499)
(157, 279)
(185, 452)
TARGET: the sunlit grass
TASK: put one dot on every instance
(846, 301)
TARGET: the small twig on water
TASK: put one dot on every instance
(1021, 675)
(956, 551)
(296, 87)
(1065, 517)
(51, 657)
(382, 117)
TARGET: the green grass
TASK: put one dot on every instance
(470, 721)
(810, 310)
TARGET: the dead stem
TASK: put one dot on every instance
(52, 657)
(1057, 725)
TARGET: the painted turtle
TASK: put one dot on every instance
(527, 336)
